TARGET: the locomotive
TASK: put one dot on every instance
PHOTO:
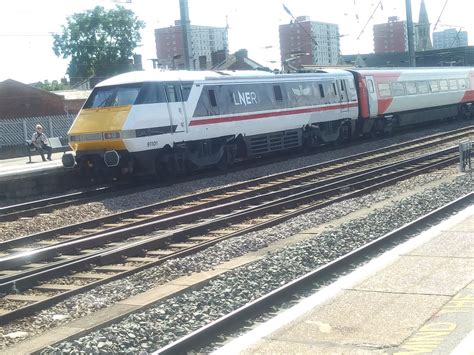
(164, 122)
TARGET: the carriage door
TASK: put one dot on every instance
(343, 95)
(372, 96)
(175, 107)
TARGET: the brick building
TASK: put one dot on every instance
(205, 40)
(306, 42)
(21, 100)
(392, 37)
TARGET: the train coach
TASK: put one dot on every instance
(167, 122)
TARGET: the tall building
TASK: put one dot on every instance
(205, 40)
(306, 42)
(392, 37)
(450, 38)
(423, 30)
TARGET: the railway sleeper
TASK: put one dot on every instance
(55, 287)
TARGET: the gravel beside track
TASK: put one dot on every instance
(75, 214)
(106, 295)
(176, 317)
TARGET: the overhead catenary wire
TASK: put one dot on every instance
(441, 13)
(379, 4)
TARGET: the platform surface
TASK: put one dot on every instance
(22, 166)
(417, 298)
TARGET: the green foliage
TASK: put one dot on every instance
(51, 86)
(99, 42)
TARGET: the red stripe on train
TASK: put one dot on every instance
(254, 116)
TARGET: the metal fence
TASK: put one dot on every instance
(16, 131)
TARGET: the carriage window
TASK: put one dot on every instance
(443, 85)
(370, 84)
(321, 90)
(277, 92)
(212, 98)
(462, 84)
(453, 84)
(398, 89)
(334, 90)
(411, 87)
(384, 89)
(422, 87)
(341, 84)
(434, 86)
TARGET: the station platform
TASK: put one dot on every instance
(20, 178)
(417, 298)
(22, 165)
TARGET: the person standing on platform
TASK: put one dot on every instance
(40, 141)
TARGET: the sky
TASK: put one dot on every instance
(26, 26)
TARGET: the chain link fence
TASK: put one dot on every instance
(14, 132)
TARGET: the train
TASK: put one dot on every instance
(167, 122)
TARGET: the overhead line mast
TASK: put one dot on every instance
(185, 23)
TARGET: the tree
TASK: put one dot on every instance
(99, 42)
(51, 86)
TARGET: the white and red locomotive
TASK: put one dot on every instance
(163, 122)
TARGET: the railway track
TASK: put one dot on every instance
(35, 271)
(44, 206)
(240, 317)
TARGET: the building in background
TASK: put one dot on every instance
(205, 40)
(423, 30)
(450, 38)
(306, 42)
(392, 37)
(238, 61)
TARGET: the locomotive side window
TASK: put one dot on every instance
(384, 89)
(443, 85)
(422, 87)
(212, 98)
(434, 85)
(453, 84)
(410, 87)
(321, 90)
(398, 89)
(277, 92)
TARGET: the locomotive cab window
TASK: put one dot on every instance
(186, 90)
(151, 93)
(113, 96)
(172, 93)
